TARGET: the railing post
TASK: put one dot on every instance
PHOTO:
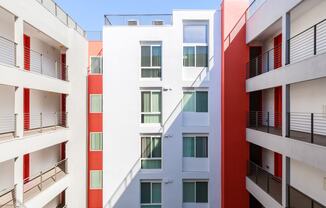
(14, 196)
(256, 119)
(315, 39)
(15, 125)
(56, 9)
(256, 67)
(268, 122)
(256, 174)
(56, 115)
(55, 172)
(267, 62)
(41, 64)
(312, 128)
(288, 51)
(41, 184)
(41, 122)
(288, 124)
(268, 183)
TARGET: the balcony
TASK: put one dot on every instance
(7, 126)
(7, 51)
(33, 185)
(266, 181)
(8, 198)
(297, 199)
(269, 122)
(307, 127)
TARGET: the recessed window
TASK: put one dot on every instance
(195, 191)
(96, 103)
(96, 141)
(195, 146)
(96, 178)
(151, 107)
(151, 61)
(195, 101)
(96, 64)
(151, 194)
(151, 152)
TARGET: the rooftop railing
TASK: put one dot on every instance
(57, 11)
(138, 19)
(7, 51)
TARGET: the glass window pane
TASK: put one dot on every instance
(151, 164)
(156, 56)
(188, 56)
(156, 102)
(145, 147)
(195, 33)
(96, 179)
(201, 147)
(188, 147)
(145, 193)
(96, 141)
(201, 101)
(96, 103)
(96, 65)
(156, 192)
(188, 192)
(189, 102)
(151, 73)
(201, 56)
(145, 56)
(146, 102)
(201, 192)
(156, 152)
(151, 119)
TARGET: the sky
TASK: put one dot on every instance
(89, 14)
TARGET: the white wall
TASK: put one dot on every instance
(7, 174)
(6, 24)
(54, 203)
(308, 180)
(122, 111)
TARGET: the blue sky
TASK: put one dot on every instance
(90, 13)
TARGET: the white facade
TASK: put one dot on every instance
(52, 33)
(122, 172)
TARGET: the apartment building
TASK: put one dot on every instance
(273, 104)
(161, 124)
(43, 68)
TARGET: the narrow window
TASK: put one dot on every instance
(150, 194)
(96, 177)
(96, 65)
(96, 141)
(151, 152)
(151, 107)
(151, 61)
(96, 103)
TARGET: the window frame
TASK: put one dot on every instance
(90, 180)
(195, 94)
(101, 65)
(195, 181)
(195, 45)
(151, 157)
(195, 138)
(151, 188)
(90, 141)
(151, 112)
(91, 103)
(151, 67)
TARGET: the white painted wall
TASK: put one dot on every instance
(7, 109)
(6, 24)
(122, 111)
(7, 174)
(53, 203)
(308, 180)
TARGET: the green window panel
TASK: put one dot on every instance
(96, 177)
(96, 103)
(96, 141)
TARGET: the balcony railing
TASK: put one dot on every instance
(269, 122)
(44, 179)
(307, 127)
(308, 43)
(45, 65)
(296, 199)
(8, 124)
(8, 198)
(266, 62)
(42, 121)
(268, 182)
(7, 51)
(138, 19)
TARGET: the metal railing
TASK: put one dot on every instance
(41, 121)
(43, 64)
(265, 180)
(8, 198)
(265, 62)
(7, 51)
(138, 19)
(297, 199)
(57, 11)
(307, 43)
(269, 122)
(307, 127)
(45, 178)
(8, 123)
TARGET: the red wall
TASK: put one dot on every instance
(235, 149)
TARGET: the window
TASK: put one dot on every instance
(151, 61)
(195, 146)
(151, 152)
(195, 191)
(151, 107)
(151, 194)
(96, 103)
(96, 140)
(195, 50)
(195, 101)
(96, 64)
(96, 177)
